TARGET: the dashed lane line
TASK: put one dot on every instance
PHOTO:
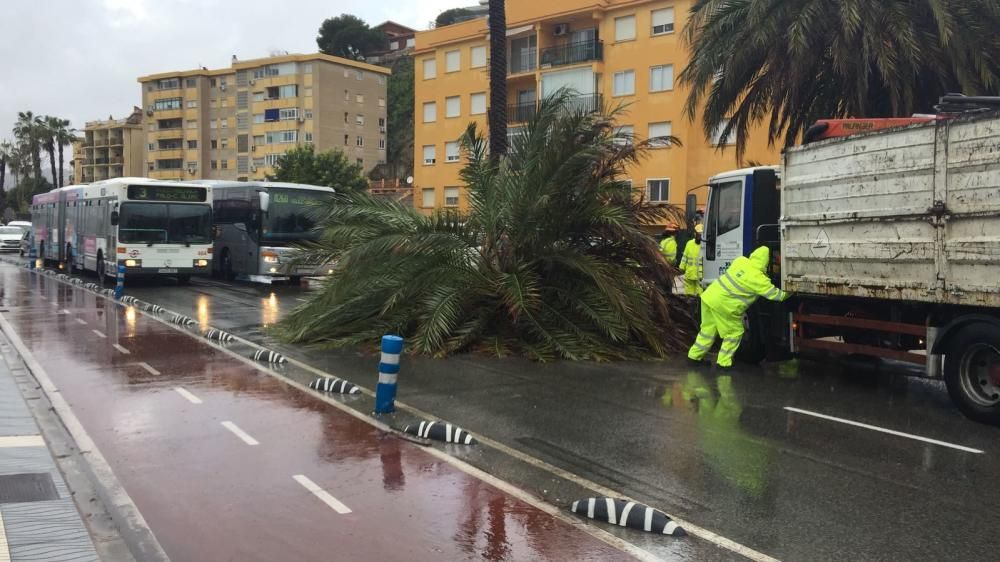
(81, 321)
(149, 368)
(244, 436)
(322, 494)
(22, 441)
(99, 334)
(187, 395)
(121, 349)
(884, 430)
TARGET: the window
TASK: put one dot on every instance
(359, 75)
(393, 45)
(477, 103)
(224, 123)
(359, 119)
(192, 144)
(242, 143)
(215, 144)
(452, 61)
(360, 141)
(258, 117)
(278, 92)
(224, 102)
(347, 73)
(258, 96)
(347, 117)
(257, 139)
(381, 143)
(190, 82)
(658, 190)
(427, 198)
(660, 129)
(309, 137)
(451, 152)
(169, 103)
(663, 21)
(309, 114)
(717, 139)
(452, 106)
(192, 164)
(727, 197)
(191, 104)
(308, 92)
(288, 114)
(430, 69)
(430, 112)
(661, 78)
(225, 164)
(360, 162)
(429, 156)
(280, 137)
(478, 56)
(192, 124)
(624, 135)
(381, 102)
(347, 140)
(152, 146)
(211, 82)
(625, 28)
(381, 124)
(168, 84)
(624, 83)
(242, 121)
(213, 124)
(272, 159)
(242, 166)
(360, 98)
(225, 143)
(307, 68)
(215, 164)
(258, 162)
(451, 197)
(411, 42)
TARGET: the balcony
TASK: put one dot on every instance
(116, 141)
(572, 53)
(522, 60)
(520, 113)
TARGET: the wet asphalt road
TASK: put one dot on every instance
(720, 451)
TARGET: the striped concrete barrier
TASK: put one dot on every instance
(334, 385)
(439, 431)
(268, 356)
(627, 514)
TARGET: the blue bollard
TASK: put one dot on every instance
(120, 283)
(388, 369)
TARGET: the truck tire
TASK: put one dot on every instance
(752, 348)
(972, 372)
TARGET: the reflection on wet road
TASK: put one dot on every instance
(227, 463)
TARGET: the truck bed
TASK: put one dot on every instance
(907, 214)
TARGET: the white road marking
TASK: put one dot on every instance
(149, 368)
(300, 299)
(240, 433)
(22, 441)
(44, 297)
(884, 430)
(64, 311)
(322, 494)
(121, 349)
(99, 333)
(81, 321)
(190, 397)
(4, 547)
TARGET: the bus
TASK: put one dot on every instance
(258, 224)
(152, 227)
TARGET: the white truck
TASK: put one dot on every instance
(890, 242)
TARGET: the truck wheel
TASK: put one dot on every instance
(752, 349)
(972, 372)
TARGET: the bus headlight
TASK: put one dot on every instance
(269, 257)
(133, 263)
(201, 263)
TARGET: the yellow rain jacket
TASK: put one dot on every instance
(692, 267)
(745, 280)
(669, 248)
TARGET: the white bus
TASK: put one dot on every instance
(257, 225)
(151, 227)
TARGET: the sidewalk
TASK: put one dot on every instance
(38, 519)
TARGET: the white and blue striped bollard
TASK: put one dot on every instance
(388, 369)
(120, 283)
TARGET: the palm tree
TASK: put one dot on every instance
(62, 136)
(497, 117)
(5, 152)
(787, 63)
(47, 136)
(550, 261)
(28, 132)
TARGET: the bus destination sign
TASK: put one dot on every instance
(172, 193)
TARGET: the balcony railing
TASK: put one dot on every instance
(523, 60)
(572, 53)
(522, 112)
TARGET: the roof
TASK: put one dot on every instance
(387, 24)
(223, 184)
(253, 63)
(741, 172)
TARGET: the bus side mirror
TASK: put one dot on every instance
(114, 218)
(265, 201)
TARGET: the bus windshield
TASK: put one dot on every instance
(165, 223)
(293, 214)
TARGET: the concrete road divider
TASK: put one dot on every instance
(182, 320)
(268, 356)
(332, 384)
(627, 514)
(154, 308)
(439, 431)
(219, 335)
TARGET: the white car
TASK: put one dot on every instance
(10, 238)
(23, 225)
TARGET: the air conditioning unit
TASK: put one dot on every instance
(253, 168)
(302, 119)
(560, 29)
(191, 171)
(381, 129)
(222, 87)
(252, 81)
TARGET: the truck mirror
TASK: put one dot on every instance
(114, 218)
(691, 207)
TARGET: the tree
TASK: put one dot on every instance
(787, 63)
(47, 138)
(5, 153)
(399, 145)
(349, 37)
(550, 261)
(303, 164)
(62, 135)
(28, 132)
(497, 117)
(453, 15)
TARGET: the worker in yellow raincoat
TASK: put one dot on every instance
(691, 263)
(668, 246)
(727, 298)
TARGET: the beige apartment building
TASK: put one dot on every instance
(109, 149)
(234, 123)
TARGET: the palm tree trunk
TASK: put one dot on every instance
(3, 174)
(52, 163)
(498, 79)
(60, 184)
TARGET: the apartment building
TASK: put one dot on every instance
(234, 123)
(610, 52)
(109, 149)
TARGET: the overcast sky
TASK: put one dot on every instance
(79, 59)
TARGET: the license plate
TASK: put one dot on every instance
(167, 270)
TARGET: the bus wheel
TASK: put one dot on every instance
(101, 275)
(972, 372)
(227, 266)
